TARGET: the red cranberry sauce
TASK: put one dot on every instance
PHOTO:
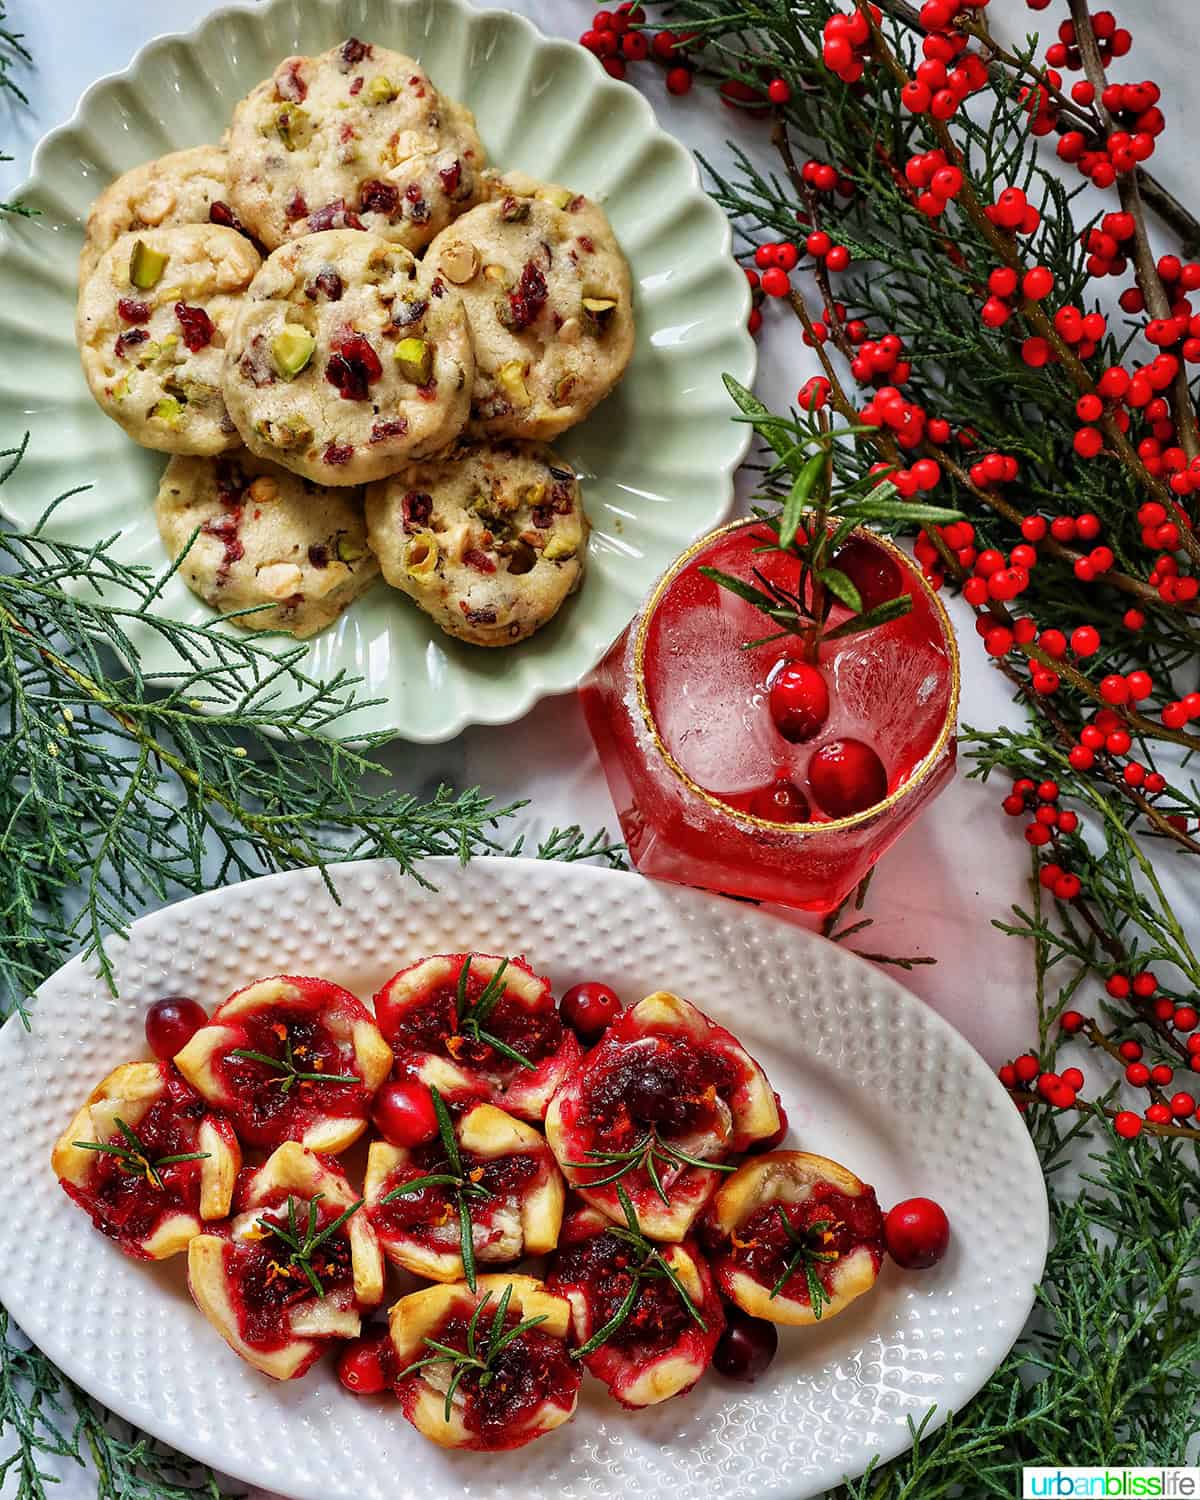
(533, 1369)
(265, 1284)
(661, 1082)
(600, 1266)
(126, 1203)
(431, 1025)
(417, 1215)
(761, 1247)
(265, 1111)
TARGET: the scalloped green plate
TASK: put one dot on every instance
(657, 457)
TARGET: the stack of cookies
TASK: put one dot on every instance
(356, 340)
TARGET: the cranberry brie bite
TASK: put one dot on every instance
(656, 1107)
(488, 1369)
(149, 1160)
(290, 1060)
(475, 1026)
(796, 1238)
(646, 1317)
(486, 1185)
(295, 1267)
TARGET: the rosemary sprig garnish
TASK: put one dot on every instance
(286, 1067)
(807, 1257)
(475, 1356)
(303, 1247)
(652, 1265)
(473, 1017)
(649, 1151)
(463, 1188)
(135, 1157)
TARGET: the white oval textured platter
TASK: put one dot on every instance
(657, 457)
(867, 1073)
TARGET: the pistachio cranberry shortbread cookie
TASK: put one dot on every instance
(488, 540)
(357, 138)
(266, 537)
(346, 361)
(549, 297)
(182, 187)
(151, 326)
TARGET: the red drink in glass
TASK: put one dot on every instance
(679, 713)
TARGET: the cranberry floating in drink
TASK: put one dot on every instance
(785, 703)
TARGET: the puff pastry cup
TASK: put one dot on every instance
(533, 1385)
(499, 1156)
(663, 1077)
(299, 1029)
(432, 1016)
(660, 1350)
(260, 1296)
(829, 1212)
(143, 1114)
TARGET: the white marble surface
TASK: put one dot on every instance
(962, 865)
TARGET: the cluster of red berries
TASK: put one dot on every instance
(936, 180)
(905, 420)
(616, 39)
(1173, 586)
(1013, 211)
(813, 394)
(823, 177)
(993, 468)
(1111, 40)
(846, 40)
(879, 361)
(938, 90)
(1082, 331)
(1143, 988)
(1048, 820)
(1103, 242)
(1181, 711)
(1036, 283)
(1060, 1090)
(959, 537)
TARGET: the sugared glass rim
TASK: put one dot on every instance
(808, 830)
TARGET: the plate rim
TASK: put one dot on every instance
(471, 712)
(897, 1439)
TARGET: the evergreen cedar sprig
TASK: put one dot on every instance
(813, 521)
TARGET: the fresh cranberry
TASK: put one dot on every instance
(772, 1142)
(746, 1347)
(799, 701)
(196, 325)
(589, 1009)
(846, 777)
(916, 1233)
(353, 366)
(403, 1113)
(361, 1367)
(781, 801)
(872, 572)
(171, 1023)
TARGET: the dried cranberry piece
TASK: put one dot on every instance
(451, 177)
(255, 365)
(437, 287)
(334, 215)
(418, 209)
(416, 509)
(377, 197)
(327, 281)
(221, 213)
(562, 497)
(297, 208)
(225, 529)
(543, 516)
(406, 313)
(231, 481)
(585, 244)
(318, 555)
(356, 86)
(529, 298)
(353, 366)
(391, 427)
(196, 324)
(338, 453)
(130, 340)
(289, 85)
(480, 561)
(478, 616)
(133, 311)
(352, 52)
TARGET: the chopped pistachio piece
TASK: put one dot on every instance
(558, 196)
(561, 394)
(380, 90)
(421, 553)
(264, 489)
(348, 551)
(168, 411)
(557, 548)
(415, 358)
(121, 389)
(510, 377)
(533, 494)
(496, 273)
(293, 126)
(291, 349)
(459, 262)
(145, 265)
(292, 432)
(597, 312)
(514, 210)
